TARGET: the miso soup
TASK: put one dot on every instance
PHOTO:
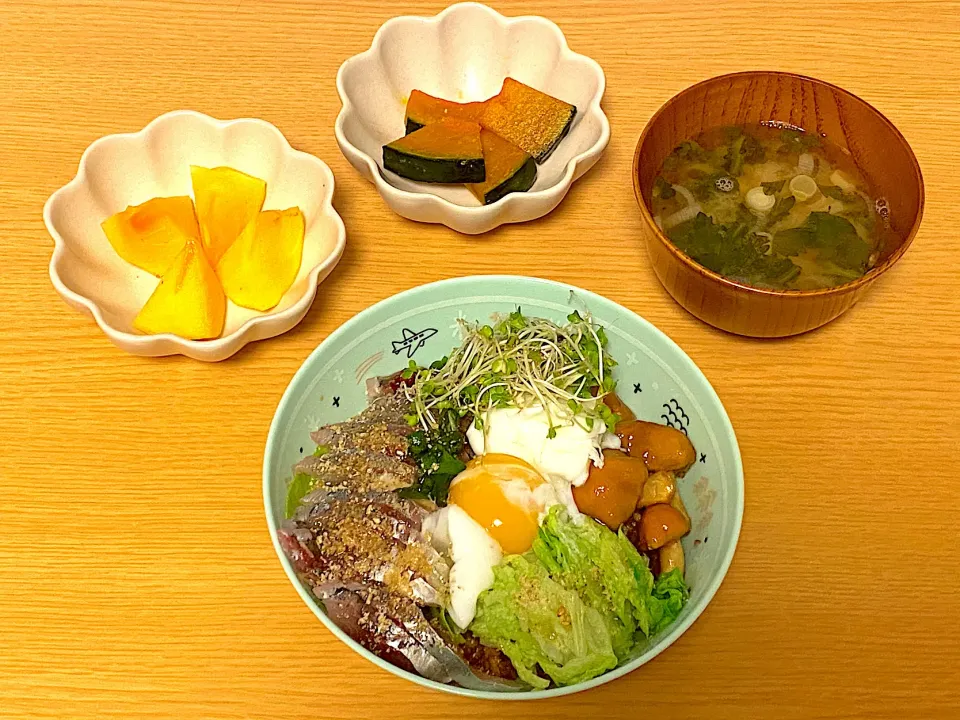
(769, 207)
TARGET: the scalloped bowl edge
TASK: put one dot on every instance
(259, 327)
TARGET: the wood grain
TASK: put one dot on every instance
(137, 579)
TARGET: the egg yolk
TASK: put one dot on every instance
(496, 490)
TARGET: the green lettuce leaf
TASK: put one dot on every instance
(581, 601)
(536, 621)
(300, 484)
(670, 594)
(604, 568)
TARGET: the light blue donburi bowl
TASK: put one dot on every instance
(655, 378)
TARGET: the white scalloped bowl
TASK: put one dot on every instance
(463, 54)
(129, 169)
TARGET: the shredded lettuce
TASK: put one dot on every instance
(536, 621)
(580, 602)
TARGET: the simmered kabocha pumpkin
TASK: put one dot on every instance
(227, 201)
(264, 261)
(152, 234)
(188, 302)
(509, 169)
(424, 109)
(531, 120)
(448, 151)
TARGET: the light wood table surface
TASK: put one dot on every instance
(137, 578)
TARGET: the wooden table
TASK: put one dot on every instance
(137, 577)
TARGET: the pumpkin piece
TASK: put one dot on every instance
(531, 120)
(188, 302)
(423, 109)
(264, 261)
(152, 234)
(509, 169)
(227, 201)
(448, 151)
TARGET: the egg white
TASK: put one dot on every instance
(474, 555)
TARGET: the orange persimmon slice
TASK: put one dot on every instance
(264, 261)
(188, 302)
(227, 201)
(152, 234)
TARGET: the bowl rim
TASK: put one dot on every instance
(734, 285)
(672, 634)
(551, 193)
(215, 348)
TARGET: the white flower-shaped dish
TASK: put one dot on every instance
(463, 54)
(129, 169)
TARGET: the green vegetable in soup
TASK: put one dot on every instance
(780, 210)
(662, 189)
(833, 237)
(743, 149)
(733, 251)
(835, 192)
(797, 141)
(690, 150)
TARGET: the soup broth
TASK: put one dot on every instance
(769, 207)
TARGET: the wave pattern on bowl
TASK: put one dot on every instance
(463, 54)
(121, 170)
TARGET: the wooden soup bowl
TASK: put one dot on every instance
(875, 145)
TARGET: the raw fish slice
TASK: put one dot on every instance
(376, 437)
(358, 470)
(368, 538)
(381, 428)
(395, 629)
(364, 555)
